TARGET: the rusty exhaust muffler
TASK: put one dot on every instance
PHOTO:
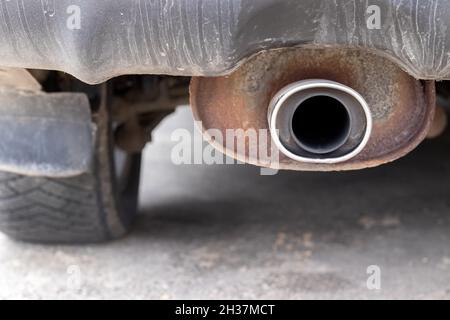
(319, 121)
(367, 112)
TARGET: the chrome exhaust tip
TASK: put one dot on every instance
(319, 121)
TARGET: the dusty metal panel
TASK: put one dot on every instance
(211, 37)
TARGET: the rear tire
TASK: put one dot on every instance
(93, 207)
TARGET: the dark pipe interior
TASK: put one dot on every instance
(321, 124)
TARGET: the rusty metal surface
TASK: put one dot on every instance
(402, 107)
(137, 95)
(140, 103)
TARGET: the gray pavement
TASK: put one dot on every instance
(226, 232)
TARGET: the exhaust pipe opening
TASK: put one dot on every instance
(321, 124)
(319, 121)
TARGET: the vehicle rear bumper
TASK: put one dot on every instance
(211, 37)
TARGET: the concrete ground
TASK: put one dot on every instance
(227, 232)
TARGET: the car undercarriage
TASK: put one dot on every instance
(307, 85)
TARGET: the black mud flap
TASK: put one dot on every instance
(45, 134)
